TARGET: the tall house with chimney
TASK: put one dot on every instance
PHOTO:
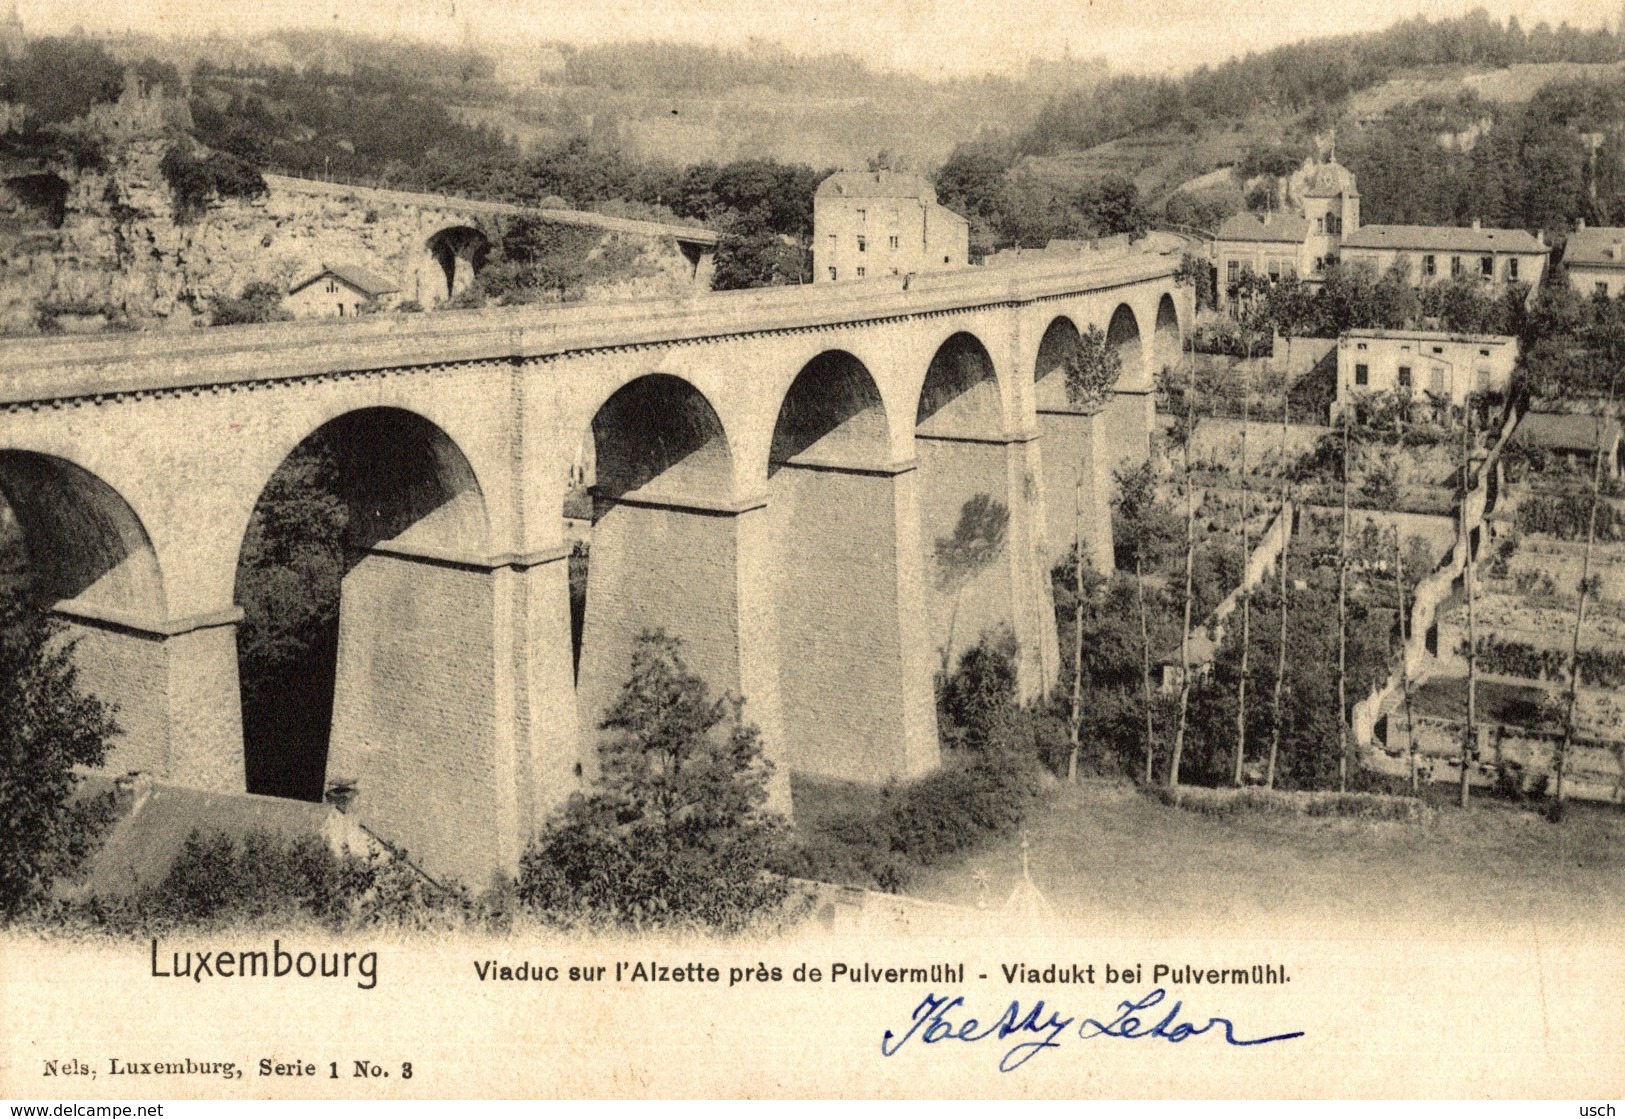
(1595, 260)
(883, 223)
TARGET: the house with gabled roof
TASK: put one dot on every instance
(337, 291)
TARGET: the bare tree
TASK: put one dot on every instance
(1404, 658)
(1471, 733)
(1560, 763)
(1075, 721)
(1286, 548)
(1190, 562)
(1343, 622)
(1246, 587)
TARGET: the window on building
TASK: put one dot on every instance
(332, 287)
(861, 272)
(1232, 272)
(945, 260)
(1430, 265)
(1275, 270)
(341, 310)
(1512, 268)
(1438, 349)
(1320, 264)
(863, 215)
(832, 273)
(1334, 225)
(1320, 225)
(1483, 353)
(1602, 288)
(1436, 379)
(863, 244)
(1359, 345)
(895, 242)
(1455, 267)
(1362, 374)
(1486, 267)
(1404, 376)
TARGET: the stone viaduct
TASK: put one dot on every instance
(771, 475)
(455, 234)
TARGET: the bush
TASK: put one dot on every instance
(264, 877)
(47, 727)
(989, 781)
(195, 181)
(673, 830)
(1235, 803)
(260, 303)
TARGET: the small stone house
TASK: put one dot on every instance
(337, 291)
(1595, 259)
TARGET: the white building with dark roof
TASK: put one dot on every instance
(1435, 254)
(337, 291)
(883, 223)
(1272, 245)
(1595, 260)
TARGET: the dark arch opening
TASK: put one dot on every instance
(29, 199)
(656, 438)
(1059, 340)
(461, 252)
(832, 413)
(66, 534)
(366, 477)
(960, 395)
(1168, 342)
(1124, 335)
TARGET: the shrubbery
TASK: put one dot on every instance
(990, 779)
(265, 877)
(674, 830)
(195, 181)
(260, 302)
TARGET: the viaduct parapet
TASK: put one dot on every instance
(775, 477)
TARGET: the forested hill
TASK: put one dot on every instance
(1314, 78)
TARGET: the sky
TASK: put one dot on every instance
(937, 38)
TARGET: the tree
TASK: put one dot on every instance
(1471, 731)
(1189, 437)
(1286, 550)
(1091, 367)
(673, 830)
(260, 302)
(1404, 658)
(977, 540)
(751, 255)
(1584, 589)
(49, 726)
(1137, 537)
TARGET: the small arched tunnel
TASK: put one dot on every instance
(1123, 334)
(461, 252)
(832, 416)
(1049, 372)
(370, 476)
(960, 396)
(81, 538)
(1168, 344)
(29, 200)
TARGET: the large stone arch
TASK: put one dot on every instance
(459, 252)
(351, 552)
(854, 671)
(86, 546)
(1075, 456)
(1131, 413)
(970, 513)
(90, 560)
(1123, 335)
(670, 549)
(1049, 378)
(1168, 344)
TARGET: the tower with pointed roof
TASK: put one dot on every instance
(11, 32)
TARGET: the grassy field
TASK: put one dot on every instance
(1106, 855)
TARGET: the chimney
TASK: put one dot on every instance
(1475, 223)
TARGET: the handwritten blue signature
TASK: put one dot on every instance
(931, 1025)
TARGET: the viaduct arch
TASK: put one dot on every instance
(770, 476)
